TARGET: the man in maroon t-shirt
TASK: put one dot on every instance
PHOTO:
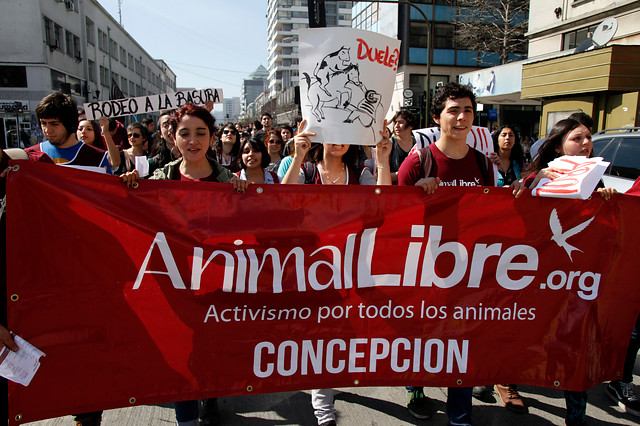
(447, 162)
(453, 162)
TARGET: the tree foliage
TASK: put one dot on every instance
(493, 26)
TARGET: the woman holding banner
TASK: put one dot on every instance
(137, 135)
(567, 137)
(192, 128)
(255, 160)
(334, 165)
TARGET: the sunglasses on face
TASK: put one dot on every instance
(134, 135)
(227, 131)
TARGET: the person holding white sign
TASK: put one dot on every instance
(567, 137)
(334, 165)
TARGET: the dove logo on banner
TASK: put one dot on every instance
(560, 238)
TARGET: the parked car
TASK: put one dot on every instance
(621, 148)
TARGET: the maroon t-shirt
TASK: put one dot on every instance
(462, 172)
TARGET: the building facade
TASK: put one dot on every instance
(252, 87)
(74, 46)
(603, 81)
(429, 56)
(285, 18)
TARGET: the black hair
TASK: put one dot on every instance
(408, 117)
(267, 114)
(147, 121)
(548, 151)
(450, 90)
(584, 119)
(235, 149)
(350, 158)
(61, 107)
(258, 146)
(516, 152)
(143, 130)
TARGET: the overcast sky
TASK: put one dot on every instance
(207, 43)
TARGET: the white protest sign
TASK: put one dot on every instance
(346, 82)
(150, 103)
(579, 177)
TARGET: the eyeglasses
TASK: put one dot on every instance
(134, 135)
(227, 131)
(274, 141)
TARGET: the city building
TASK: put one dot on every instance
(74, 46)
(285, 18)
(584, 57)
(430, 56)
(253, 86)
(231, 109)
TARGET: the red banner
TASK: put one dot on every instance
(177, 290)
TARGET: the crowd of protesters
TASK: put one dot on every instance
(187, 146)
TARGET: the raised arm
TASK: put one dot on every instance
(114, 152)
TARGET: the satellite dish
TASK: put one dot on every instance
(605, 31)
(601, 36)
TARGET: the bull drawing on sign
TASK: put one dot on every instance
(331, 65)
(337, 93)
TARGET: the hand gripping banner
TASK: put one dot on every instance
(175, 290)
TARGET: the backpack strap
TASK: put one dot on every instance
(274, 176)
(426, 160)
(483, 163)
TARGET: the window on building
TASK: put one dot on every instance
(142, 70)
(418, 34)
(114, 50)
(130, 60)
(124, 85)
(572, 39)
(48, 31)
(132, 88)
(123, 56)
(92, 71)
(58, 81)
(104, 76)
(90, 26)
(103, 44)
(444, 36)
(68, 38)
(76, 48)
(13, 76)
(57, 35)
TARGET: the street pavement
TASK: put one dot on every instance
(383, 406)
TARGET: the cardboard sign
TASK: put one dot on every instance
(579, 177)
(346, 82)
(150, 103)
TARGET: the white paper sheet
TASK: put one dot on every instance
(21, 366)
(346, 83)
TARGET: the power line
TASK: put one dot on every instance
(208, 68)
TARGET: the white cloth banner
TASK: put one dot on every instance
(346, 82)
(579, 177)
(150, 103)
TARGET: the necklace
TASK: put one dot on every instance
(333, 181)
